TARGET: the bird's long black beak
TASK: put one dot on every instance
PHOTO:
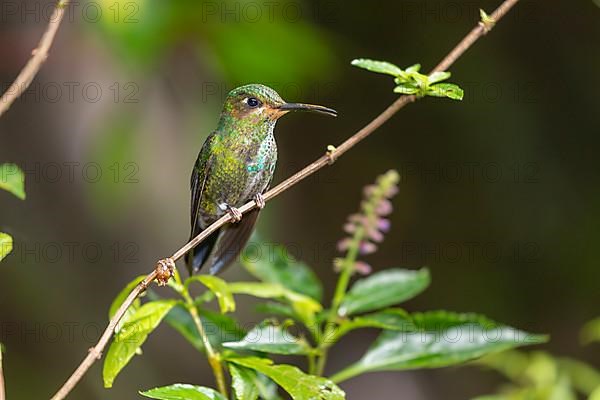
(308, 107)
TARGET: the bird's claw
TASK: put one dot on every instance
(260, 201)
(236, 215)
(331, 154)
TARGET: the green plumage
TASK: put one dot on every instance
(236, 163)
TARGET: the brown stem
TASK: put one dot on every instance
(38, 56)
(95, 353)
(321, 162)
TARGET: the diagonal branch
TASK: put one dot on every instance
(38, 56)
(162, 274)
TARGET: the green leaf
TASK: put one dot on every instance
(396, 351)
(275, 308)
(304, 306)
(435, 321)
(439, 76)
(582, 376)
(273, 339)
(384, 289)
(390, 319)
(487, 21)
(121, 298)
(219, 287)
(595, 394)
(449, 90)
(131, 337)
(406, 88)
(12, 179)
(591, 332)
(242, 381)
(183, 391)
(413, 68)
(219, 328)
(299, 385)
(123, 295)
(281, 267)
(6, 245)
(381, 67)
(246, 381)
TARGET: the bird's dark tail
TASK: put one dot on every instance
(232, 241)
(196, 257)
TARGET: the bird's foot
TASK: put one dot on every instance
(331, 154)
(165, 269)
(259, 200)
(236, 215)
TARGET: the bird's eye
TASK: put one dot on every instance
(252, 102)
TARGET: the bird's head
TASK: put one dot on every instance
(257, 102)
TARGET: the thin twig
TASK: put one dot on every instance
(321, 162)
(95, 353)
(38, 56)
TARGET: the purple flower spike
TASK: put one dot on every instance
(343, 244)
(367, 248)
(368, 190)
(384, 225)
(350, 228)
(362, 268)
(375, 235)
(384, 207)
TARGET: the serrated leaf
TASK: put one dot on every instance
(274, 308)
(406, 88)
(420, 80)
(299, 385)
(219, 328)
(304, 306)
(219, 287)
(12, 179)
(242, 381)
(6, 245)
(281, 267)
(413, 68)
(449, 90)
(439, 77)
(439, 320)
(381, 67)
(183, 391)
(273, 339)
(396, 351)
(384, 289)
(390, 319)
(131, 337)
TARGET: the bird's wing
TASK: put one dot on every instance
(200, 173)
(196, 257)
(233, 239)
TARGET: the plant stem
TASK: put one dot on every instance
(340, 291)
(38, 56)
(214, 358)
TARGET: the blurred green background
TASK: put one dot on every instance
(499, 194)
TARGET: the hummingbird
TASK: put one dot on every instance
(235, 165)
